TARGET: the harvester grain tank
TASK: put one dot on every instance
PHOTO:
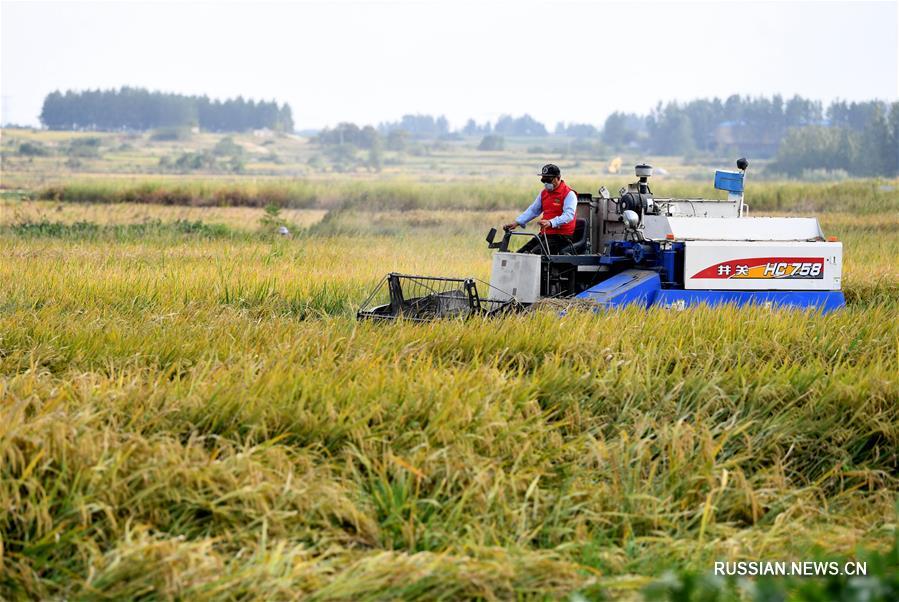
(638, 248)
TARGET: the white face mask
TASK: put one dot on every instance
(549, 186)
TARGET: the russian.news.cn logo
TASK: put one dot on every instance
(802, 568)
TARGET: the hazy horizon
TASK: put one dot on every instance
(369, 62)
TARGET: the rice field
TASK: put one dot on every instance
(236, 219)
(194, 413)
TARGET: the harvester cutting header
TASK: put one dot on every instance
(640, 249)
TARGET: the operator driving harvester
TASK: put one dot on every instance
(557, 203)
(636, 248)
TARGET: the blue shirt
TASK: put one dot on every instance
(536, 208)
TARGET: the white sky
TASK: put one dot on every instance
(373, 61)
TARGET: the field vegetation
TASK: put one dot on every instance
(54, 157)
(237, 170)
(862, 196)
(189, 409)
(193, 412)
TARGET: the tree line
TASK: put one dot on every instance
(140, 109)
(860, 138)
(867, 149)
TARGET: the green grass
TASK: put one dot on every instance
(91, 230)
(192, 416)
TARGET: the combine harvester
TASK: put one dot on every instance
(644, 250)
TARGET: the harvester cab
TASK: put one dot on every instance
(641, 249)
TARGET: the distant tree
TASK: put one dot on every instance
(876, 155)
(616, 132)
(236, 164)
(471, 128)
(376, 155)
(801, 111)
(368, 138)
(54, 113)
(285, 119)
(704, 116)
(670, 131)
(349, 133)
(853, 115)
(893, 144)
(441, 126)
(525, 125)
(343, 133)
(492, 142)
(576, 130)
(418, 126)
(397, 139)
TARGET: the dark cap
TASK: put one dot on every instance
(550, 171)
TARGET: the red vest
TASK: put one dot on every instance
(553, 205)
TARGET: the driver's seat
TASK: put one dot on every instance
(578, 239)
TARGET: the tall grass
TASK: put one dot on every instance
(857, 196)
(190, 417)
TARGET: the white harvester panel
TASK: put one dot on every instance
(699, 207)
(754, 266)
(658, 227)
(515, 275)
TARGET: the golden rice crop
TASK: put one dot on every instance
(191, 416)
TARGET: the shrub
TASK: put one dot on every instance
(226, 147)
(236, 165)
(492, 142)
(33, 149)
(195, 161)
(170, 133)
(84, 147)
